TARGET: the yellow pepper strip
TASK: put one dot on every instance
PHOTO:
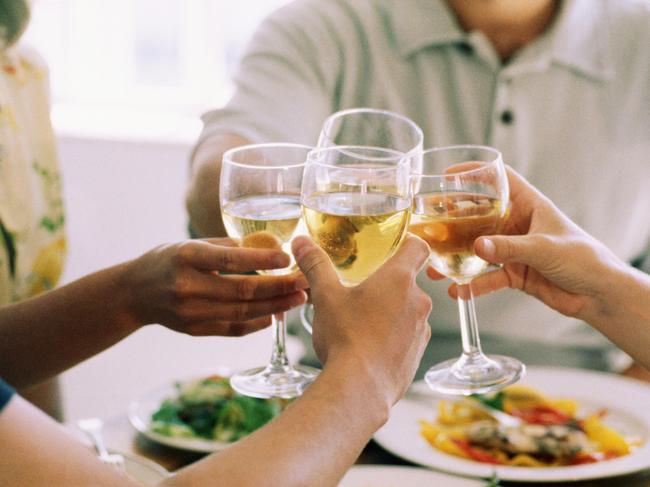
(605, 437)
(442, 439)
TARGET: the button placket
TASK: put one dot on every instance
(503, 113)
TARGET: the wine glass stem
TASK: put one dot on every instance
(468, 323)
(279, 359)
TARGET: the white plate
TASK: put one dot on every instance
(384, 476)
(140, 412)
(627, 401)
(144, 470)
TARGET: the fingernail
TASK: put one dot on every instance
(488, 247)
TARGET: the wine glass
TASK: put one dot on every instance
(369, 127)
(356, 203)
(260, 205)
(461, 194)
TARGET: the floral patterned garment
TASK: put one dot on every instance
(32, 238)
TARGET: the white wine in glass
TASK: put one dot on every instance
(450, 223)
(264, 221)
(358, 231)
(356, 205)
(260, 204)
(461, 194)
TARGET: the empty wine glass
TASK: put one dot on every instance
(371, 127)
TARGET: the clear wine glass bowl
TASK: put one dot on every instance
(461, 194)
(371, 127)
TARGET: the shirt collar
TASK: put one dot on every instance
(578, 36)
(423, 23)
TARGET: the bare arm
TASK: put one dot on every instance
(367, 369)
(624, 317)
(370, 353)
(37, 451)
(176, 285)
(312, 443)
(45, 335)
(202, 199)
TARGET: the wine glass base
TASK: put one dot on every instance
(466, 377)
(267, 382)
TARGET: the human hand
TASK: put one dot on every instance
(380, 326)
(545, 255)
(185, 287)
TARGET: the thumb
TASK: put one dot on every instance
(520, 249)
(314, 263)
(412, 254)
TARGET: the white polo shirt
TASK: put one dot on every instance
(570, 111)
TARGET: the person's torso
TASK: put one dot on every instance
(32, 239)
(571, 112)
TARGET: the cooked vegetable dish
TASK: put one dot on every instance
(550, 434)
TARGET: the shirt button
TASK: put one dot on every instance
(507, 117)
(466, 48)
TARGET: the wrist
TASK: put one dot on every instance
(624, 292)
(355, 377)
(127, 315)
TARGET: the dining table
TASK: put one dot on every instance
(122, 437)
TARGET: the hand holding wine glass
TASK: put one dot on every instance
(380, 326)
(198, 287)
(545, 255)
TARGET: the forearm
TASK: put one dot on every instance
(624, 312)
(313, 442)
(36, 451)
(47, 334)
(202, 199)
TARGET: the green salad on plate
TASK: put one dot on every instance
(209, 408)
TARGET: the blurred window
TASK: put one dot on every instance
(172, 55)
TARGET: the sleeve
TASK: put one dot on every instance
(6, 393)
(642, 262)
(286, 80)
